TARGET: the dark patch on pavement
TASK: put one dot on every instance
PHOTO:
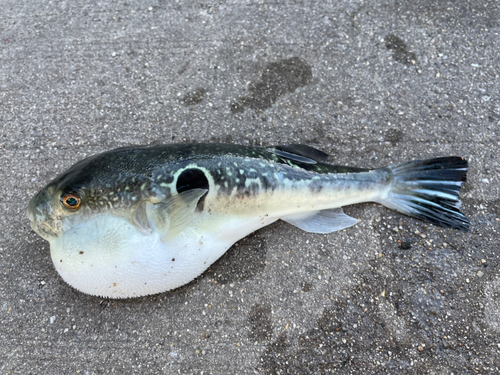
(244, 260)
(321, 349)
(494, 207)
(194, 97)
(388, 321)
(183, 68)
(393, 135)
(277, 78)
(399, 50)
(306, 287)
(260, 322)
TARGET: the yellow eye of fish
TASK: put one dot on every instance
(71, 201)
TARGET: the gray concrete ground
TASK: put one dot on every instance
(370, 82)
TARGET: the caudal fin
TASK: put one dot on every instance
(428, 190)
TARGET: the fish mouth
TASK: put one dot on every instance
(39, 215)
(47, 229)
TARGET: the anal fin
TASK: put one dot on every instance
(324, 221)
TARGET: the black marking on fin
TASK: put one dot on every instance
(306, 151)
(294, 157)
(428, 190)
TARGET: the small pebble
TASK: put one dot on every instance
(480, 273)
(406, 245)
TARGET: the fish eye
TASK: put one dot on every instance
(71, 201)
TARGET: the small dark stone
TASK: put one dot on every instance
(306, 287)
(406, 245)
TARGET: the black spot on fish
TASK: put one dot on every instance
(254, 188)
(277, 78)
(193, 179)
(169, 179)
(399, 50)
(316, 186)
(248, 191)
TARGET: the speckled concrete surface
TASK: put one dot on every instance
(370, 82)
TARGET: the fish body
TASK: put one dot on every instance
(142, 220)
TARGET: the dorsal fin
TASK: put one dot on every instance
(302, 152)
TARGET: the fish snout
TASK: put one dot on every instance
(40, 215)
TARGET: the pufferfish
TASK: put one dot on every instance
(143, 220)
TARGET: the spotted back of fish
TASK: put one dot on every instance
(138, 172)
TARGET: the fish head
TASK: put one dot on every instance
(73, 197)
(111, 233)
(50, 209)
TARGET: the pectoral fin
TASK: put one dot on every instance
(141, 220)
(324, 221)
(172, 217)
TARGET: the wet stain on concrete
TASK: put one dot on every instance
(260, 322)
(321, 350)
(396, 316)
(194, 97)
(277, 78)
(393, 135)
(399, 50)
(494, 207)
(183, 68)
(243, 261)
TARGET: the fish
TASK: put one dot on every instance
(143, 220)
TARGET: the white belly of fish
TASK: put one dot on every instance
(107, 256)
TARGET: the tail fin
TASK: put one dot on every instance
(428, 190)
